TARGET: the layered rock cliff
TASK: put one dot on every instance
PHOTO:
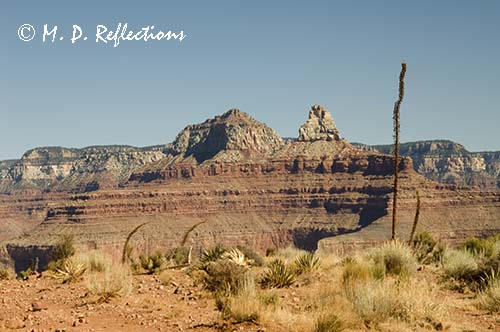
(449, 162)
(240, 183)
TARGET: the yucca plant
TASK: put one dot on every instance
(212, 254)
(306, 262)
(236, 256)
(278, 275)
(70, 271)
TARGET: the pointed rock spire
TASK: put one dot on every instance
(319, 126)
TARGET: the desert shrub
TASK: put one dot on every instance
(224, 276)
(96, 261)
(63, 249)
(278, 275)
(253, 256)
(70, 271)
(152, 263)
(242, 306)
(165, 277)
(115, 281)
(4, 273)
(489, 298)
(178, 256)
(360, 270)
(24, 275)
(305, 263)
(328, 323)
(426, 249)
(460, 265)
(269, 298)
(212, 254)
(479, 247)
(396, 257)
(270, 252)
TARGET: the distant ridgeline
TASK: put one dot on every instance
(448, 162)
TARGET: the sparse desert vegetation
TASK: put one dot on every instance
(390, 287)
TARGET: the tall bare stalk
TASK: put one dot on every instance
(395, 117)
(415, 221)
(125, 245)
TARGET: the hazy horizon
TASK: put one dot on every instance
(271, 60)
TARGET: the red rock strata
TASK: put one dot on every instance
(319, 191)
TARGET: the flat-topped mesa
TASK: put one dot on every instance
(319, 126)
(233, 133)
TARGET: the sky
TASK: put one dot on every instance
(271, 59)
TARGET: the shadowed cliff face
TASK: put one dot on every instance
(239, 179)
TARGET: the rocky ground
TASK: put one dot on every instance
(177, 303)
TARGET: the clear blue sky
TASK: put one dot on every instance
(272, 59)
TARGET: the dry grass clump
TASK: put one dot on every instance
(489, 298)
(243, 306)
(115, 281)
(329, 323)
(459, 264)
(361, 270)
(71, 270)
(396, 257)
(377, 301)
(95, 261)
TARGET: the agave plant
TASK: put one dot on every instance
(236, 256)
(306, 262)
(213, 254)
(278, 275)
(70, 271)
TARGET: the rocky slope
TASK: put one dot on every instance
(449, 162)
(233, 180)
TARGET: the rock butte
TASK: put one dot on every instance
(240, 180)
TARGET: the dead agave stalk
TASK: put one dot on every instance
(395, 117)
(415, 221)
(125, 246)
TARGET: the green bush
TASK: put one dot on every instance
(479, 247)
(63, 249)
(152, 263)
(427, 250)
(4, 273)
(270, 252)
(305, 263)
(178, 256)
(278, 275)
